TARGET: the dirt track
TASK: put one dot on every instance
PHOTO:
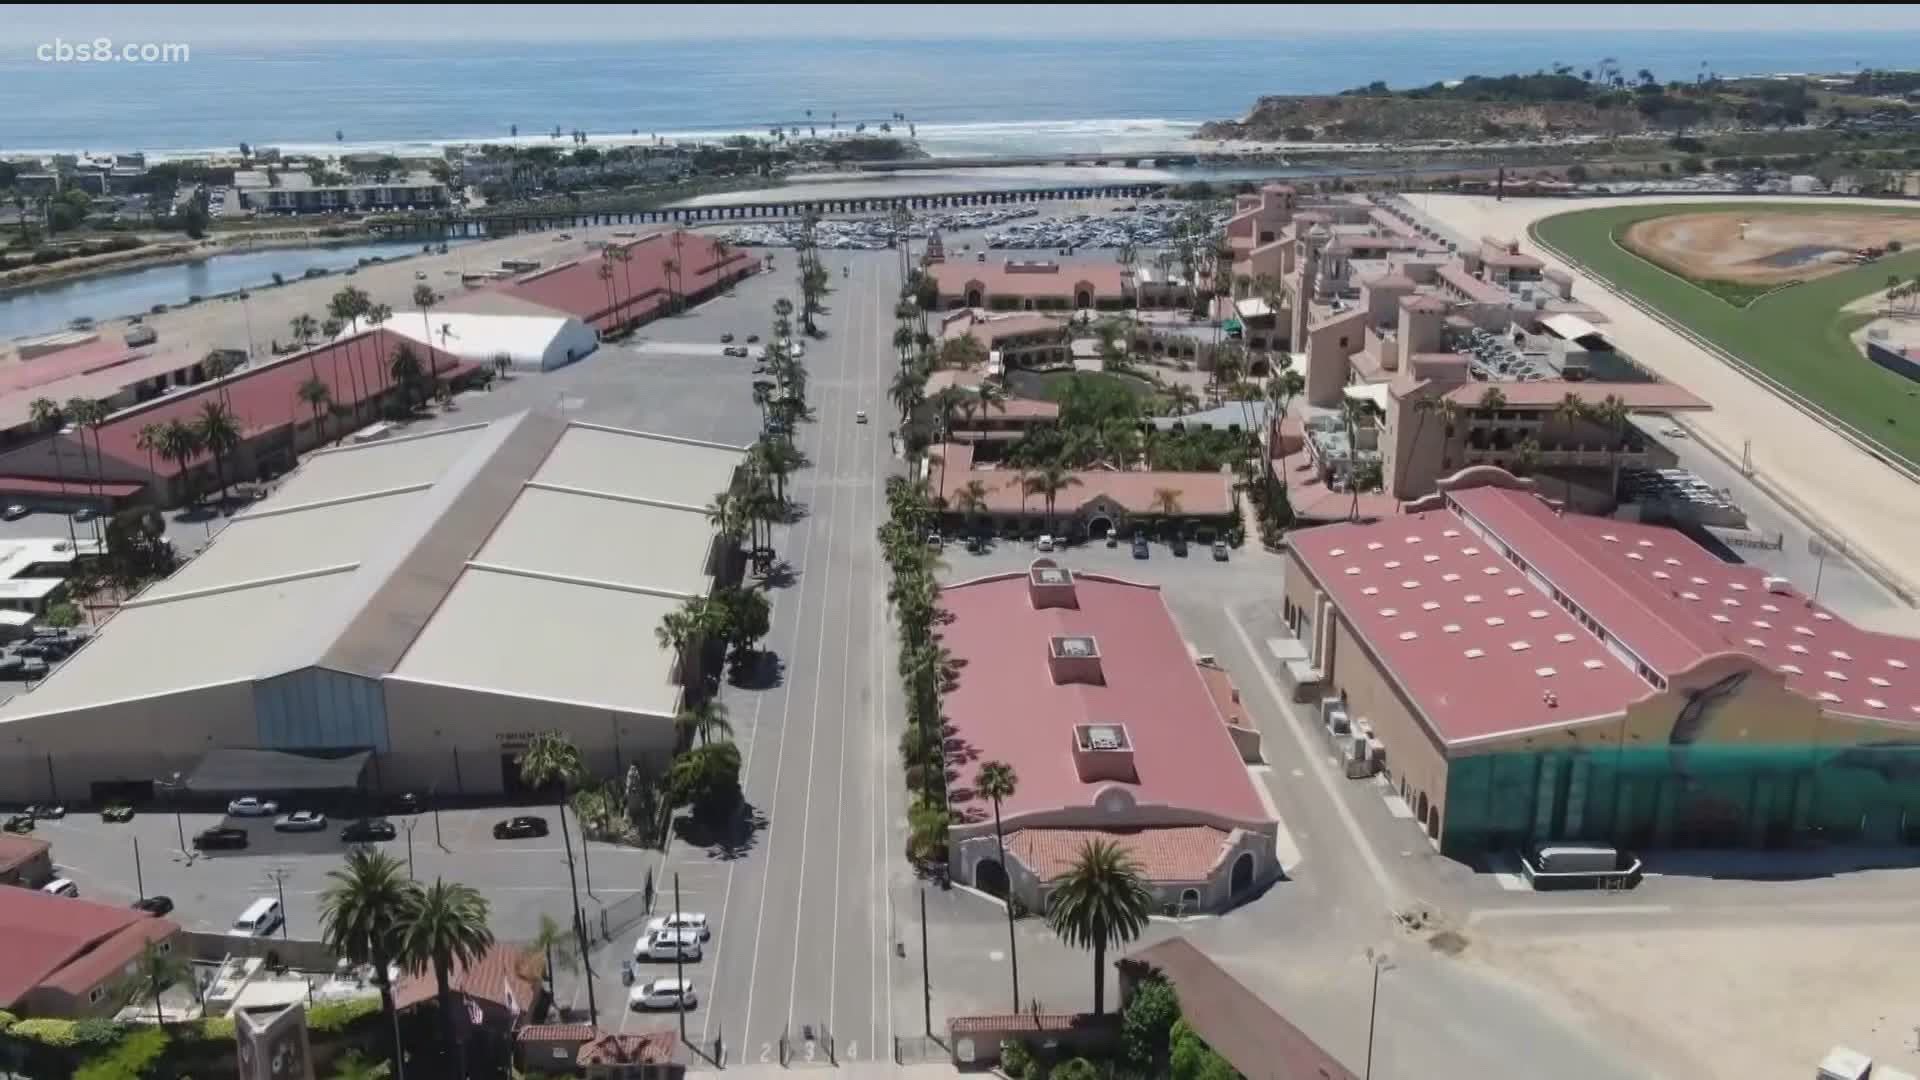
(1765, 248)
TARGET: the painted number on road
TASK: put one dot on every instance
(853, 1050)
(809, 1051)
(766, 1052)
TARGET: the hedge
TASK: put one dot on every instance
(46, 1031)
(129, 1060)
(332, 1018)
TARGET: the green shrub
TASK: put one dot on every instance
(214, 1029)
(1015, 1057)
(335, 1017)
(1147, 1023)
(46, 1032)
(7, 1020)
(129, 1060)
(1076, 1069)
(96, 1032)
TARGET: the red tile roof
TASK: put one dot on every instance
(1034, 1023)
(1175, 855)
(1461, 629)
(30, 485)
(555, 1033)
(1673, 604)
(1226, 696)
(65, 363)
(639, 286)
(66, 942)
(1476, 290)
(1200, 494)
(265, 397)
(496, 979)
(647, 1048)
(1009, 277)
(1006, 706)
(16, 850)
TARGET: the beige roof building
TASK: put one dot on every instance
(434, 599)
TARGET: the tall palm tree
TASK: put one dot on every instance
(1570, 410)
(425, 299)
(378, 315)
(553, 946)
(668, 267)
(551, 758)
(219, 433)
(997, 781)
(45, 413)
(345, 318)
(362, 917)
(706, 720)
(406, 372)
(149, 975)
(1166, 501)
(1048, 482)
(1612, 413)
(304, 328)
(148, 439)
(624, 256)
(970, 498)
(1100, 903)
(446, 927)
(180, 443)
(316, 396)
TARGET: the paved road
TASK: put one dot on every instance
(800, 910)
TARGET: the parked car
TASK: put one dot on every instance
(226, 838)
(301, 821)
(1219, 551)
(33, 667)
(368, 830)
(47, 813)
(1140, 547)
(753, 339)
(663, 994)
(20, 823)
(406, 803)
(680, 920)
(682, 945)
(860, 417)
(15, 511)
(1045, 543)
(249, 806)
(154, 905)
(61, 887)
(116, 814)
(520, 828)
(1179, 546)
(726, 339)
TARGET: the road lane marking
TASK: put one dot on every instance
(1324, 774)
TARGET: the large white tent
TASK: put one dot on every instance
(533, 337)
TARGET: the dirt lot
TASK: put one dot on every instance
(1765, 248)
(1694, 1002)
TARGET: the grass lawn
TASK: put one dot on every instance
(1797, 335)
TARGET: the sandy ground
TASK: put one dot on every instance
(1818, 473)
(1753, 1003)
(224, 323)
(1763, 248)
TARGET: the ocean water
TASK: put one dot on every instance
(964, 96)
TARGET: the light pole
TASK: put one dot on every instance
(279, 875)
(1379, 962)
(410, 823)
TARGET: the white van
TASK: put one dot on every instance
(261, 918)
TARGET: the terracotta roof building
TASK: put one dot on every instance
(644, 277)
(1523, 676)
(1085, 686)
(63, 956)
(1007, 284)
(25, 861)
(1255, 1039)
(1097, 502)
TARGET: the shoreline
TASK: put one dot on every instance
(163, 253)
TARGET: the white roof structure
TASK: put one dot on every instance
(526, 558)
(536, 342)
(1571, 327)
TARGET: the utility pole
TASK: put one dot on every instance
(579, 920)
(1380, 963)
(679, 957)
(139, 881)
(279, 875)
(411, 822)
(926, 977)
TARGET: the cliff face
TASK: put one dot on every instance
(1370, 119)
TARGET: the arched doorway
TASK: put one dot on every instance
(990, 878)
(1242, 873)
(1099, 526)
(1189, 901)
(973, 298)
(1083, 299)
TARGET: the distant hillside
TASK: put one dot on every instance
(1562, 102)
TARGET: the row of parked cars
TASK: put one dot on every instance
(676, 937)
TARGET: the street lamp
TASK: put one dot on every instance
(1379, 962)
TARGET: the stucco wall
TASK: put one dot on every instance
(145, 739)
(1214, 892)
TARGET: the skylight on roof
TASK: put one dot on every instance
(1374, 545)
(1841, 654)
(1662, 575)
(1756, 643)
(1563, 637)
(1408, 635)
(1472, 598)
(1495, 620)
(1698, 580)
(1392, 564)
(1736, 586)
(1878, 681)
(1901, 664)
(1545, 672)
(1610, 538)
(1636, 556)
(1827, 696)
(1803, 631)
(1593, 665)
(1490, 571)
(1728, 601)
(1837, 676)
(1876, 703)
(1671, 561)
(1475, 654)
(1430, 605)
(1514, 590)
(1352, 570)
(1413, 539)
(1450, 628)
(1797, 648)
(1519, 646)
(1645, 543)
(1763, 624)
(1536, 613)
(1792, 669)
(1719, 618)
(1449, 577)
(1429, 557)
(1770, 609)
(1689, 596)
(1823, 616)
(1387, 612)
(1371, 590)
(1450, 533)
(1409, 584)
(1337, 552)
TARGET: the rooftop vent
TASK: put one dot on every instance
(1103, 752)
(1075, 659)
(1051, 586)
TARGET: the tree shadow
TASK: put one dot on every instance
(727, 840)
(794, 513)
(780, 575)
(761, 669)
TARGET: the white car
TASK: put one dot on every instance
(301, 821)
(860, 417)
(1046, 542)
(1674, 432)
(680, 920)
(668, 945)
(663, 994)
(248, 806)
(61, 887)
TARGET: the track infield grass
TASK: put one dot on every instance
(1798, 335)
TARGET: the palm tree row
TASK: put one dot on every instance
(374, 914)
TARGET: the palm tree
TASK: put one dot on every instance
(1570, 410)
(148, 439)
(1182, 398)
(1612, 413)
(706, 720)
(446, 926)
(1048, 482)
(180, 443)
(624, 256)
(304, 328)
(907, 392)
(1100, 903)
(553, 948)
(405, 370)
(45, 413)
(219, 433)
(379, 315)
(1493, 400)
(425, 298)
(551, 758)
(971, 498)
(149, 975)
(667, 268)
(362, 917)
(1166, 501)
(997, 781)
(316, 396)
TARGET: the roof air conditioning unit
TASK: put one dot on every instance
(1778, 585)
